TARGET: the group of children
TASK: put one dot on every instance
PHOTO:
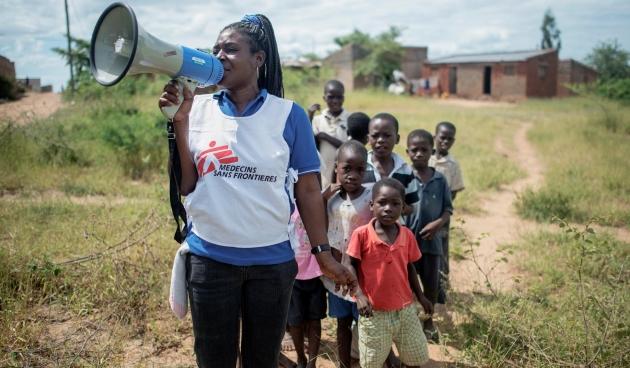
(388, 222)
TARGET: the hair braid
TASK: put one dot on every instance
(260, 32)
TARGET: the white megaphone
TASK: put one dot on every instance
(121, 47)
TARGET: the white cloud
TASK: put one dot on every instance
(32, 27)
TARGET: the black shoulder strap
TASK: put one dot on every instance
(175, 178)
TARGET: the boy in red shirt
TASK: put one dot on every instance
(382, 253)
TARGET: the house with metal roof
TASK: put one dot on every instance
(572, 72)
(501, 75)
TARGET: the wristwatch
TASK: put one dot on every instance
(320, 248)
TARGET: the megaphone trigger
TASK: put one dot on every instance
(181, 83)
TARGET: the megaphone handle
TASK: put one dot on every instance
(170, 111)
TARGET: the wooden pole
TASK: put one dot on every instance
(69, 48)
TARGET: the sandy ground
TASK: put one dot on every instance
(30, 107)
(498, 224)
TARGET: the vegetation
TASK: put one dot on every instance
(610, 60)
(382, 54)
(583, 145)
(9, 89)
(550, 32)
(571, 311)
(87, 244)
(612, 63)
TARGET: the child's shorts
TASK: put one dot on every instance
(308, 302)
(402, 327)
(341, 308)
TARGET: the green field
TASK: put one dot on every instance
(86, 230)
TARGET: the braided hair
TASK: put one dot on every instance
(259, 31)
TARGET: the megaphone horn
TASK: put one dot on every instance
(120, 47)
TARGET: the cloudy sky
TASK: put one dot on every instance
(30, 28)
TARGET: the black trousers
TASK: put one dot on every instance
(221, 295)
(428, 268)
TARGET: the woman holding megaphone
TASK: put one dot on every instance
(243, 150)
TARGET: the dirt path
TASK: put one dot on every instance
(498, 224)
(30, 107)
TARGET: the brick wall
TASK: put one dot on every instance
(509, 80)
(573, 72)
(413, 60)
(469, 80)
(542, 75)
(7, 68)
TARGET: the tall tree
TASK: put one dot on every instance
(550, 33)
(80, 58)
(383, 53)
(610, 60)
(356, 37)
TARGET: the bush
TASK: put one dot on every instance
(546, 204)
(8, 89)
(616, 89)
(574, 312)
(138, 139)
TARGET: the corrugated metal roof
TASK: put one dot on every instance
(490, 57)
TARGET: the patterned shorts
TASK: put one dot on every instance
(402, 327)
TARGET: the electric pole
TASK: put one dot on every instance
(69, 48)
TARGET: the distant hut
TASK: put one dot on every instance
(7, 68)
(344, 63)
(500, 75)
(573, 72)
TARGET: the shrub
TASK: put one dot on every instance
(543, 205)
(138, 139)
(8, 89)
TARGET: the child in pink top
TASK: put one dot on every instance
(308, 299)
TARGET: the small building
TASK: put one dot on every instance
(573, 72)
(7, 68)
(500, 75)
(31, 84)
(344, 63)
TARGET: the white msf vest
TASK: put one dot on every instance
(240, 199)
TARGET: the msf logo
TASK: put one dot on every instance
(212, 158)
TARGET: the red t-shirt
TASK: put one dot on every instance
(383, 269)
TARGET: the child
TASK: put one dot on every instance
(430, 214)
(382, 253)
(308, 299)
(446, 164)
(383, 162)
(358, 123)
(330, 127)
(348, 208)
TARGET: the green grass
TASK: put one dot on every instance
(91, 180)
(562, 316)
(586, 161)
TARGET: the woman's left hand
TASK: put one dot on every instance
(337, 272)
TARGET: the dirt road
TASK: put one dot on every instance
(30, 107)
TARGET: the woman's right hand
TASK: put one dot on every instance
(171, 96)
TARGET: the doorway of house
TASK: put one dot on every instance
(452, 80)
(487, 80)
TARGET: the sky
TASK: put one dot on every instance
(30, 28)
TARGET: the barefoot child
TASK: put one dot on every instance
(382, 253)
(348, 208)
(308, 299)
(429, 216)
(446, 164)
(330, 127)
